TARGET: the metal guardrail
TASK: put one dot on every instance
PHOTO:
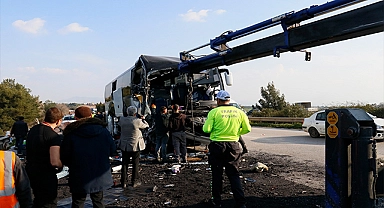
(277, 119)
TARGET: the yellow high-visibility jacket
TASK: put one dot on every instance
(226, 124)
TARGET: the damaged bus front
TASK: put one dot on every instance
(155, 81)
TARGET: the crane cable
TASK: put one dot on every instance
(190, 97)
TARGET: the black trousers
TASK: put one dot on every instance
(19, 143)
(78, 199)
(44, 185)
(135, 166)
(226, 154)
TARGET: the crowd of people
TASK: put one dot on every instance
(90, 171)
(171, 126)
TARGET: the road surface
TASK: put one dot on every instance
(295, 143)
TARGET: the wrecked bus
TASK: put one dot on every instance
(155, 81)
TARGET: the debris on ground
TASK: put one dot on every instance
(190, 187)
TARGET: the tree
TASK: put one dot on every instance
(61, 106)
(271, 98)
(16, 100)
(274, 105)
(73, 106)
(48, 104)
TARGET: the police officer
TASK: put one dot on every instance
(226, 124)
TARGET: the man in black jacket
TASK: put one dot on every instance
(85, 149)
(162, 120)
(19, 131)
(177, 124)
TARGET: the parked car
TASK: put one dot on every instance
(253, 109)
(235, 104)
(315, 125)
(68, 119)
(5, 140)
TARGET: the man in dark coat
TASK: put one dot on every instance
(177, 127)
(85, 149)
(19, 131)
(162, 120)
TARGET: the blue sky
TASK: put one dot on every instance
(67, 51)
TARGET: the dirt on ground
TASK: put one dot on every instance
(285, 184)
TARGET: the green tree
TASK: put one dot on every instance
(73, 106)
(273, 104)
(294, 110)
(271, 98)
(16, 100)
(49, 104)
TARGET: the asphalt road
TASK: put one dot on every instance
(295, 143)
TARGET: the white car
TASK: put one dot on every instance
(234, 103)
(68, 119)
(315, 125)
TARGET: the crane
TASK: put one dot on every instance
(356, 23)
(340, 191)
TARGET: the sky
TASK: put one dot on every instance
(67, 51)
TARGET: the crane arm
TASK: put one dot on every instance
(286, 19)
(355, 23)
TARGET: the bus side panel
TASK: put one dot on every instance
(118, 102)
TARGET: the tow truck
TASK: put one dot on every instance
(193, 80)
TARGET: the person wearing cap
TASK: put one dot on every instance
(226, 124)
(86, 148)
(43, 158)
(131, 142)
(15, 189)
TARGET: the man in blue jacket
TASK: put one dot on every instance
(85, 149)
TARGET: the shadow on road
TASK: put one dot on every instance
(291, 140)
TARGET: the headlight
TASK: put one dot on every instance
(378, 126)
